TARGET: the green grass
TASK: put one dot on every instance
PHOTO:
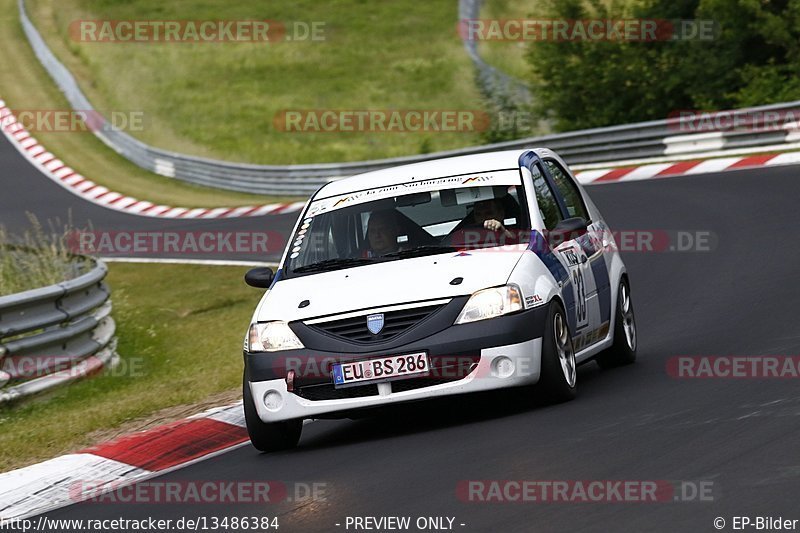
(37, 258)
(508, 56)
(218, 100)
(180, 330)
(26, 85)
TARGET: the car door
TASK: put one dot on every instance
(587, 262)
(561, 257)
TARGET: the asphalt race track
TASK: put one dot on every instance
(631, 423)
(26, 191)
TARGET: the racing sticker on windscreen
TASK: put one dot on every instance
(505, 177)
(297, 245)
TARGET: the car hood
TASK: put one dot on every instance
(388, 283)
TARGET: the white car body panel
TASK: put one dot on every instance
(394, 282)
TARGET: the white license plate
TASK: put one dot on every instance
(380, 369)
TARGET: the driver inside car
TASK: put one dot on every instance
(482, 227)
(488, 214)
(383, 229)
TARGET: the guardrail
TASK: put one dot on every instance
(631, 141)
(52, 335)
(492, 81)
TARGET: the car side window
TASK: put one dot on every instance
(548, 207)
(568, 190)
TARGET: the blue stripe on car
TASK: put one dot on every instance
(541, 248)
(276, 278)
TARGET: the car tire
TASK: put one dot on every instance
(269, 437)
(623, 350)
(558, 369)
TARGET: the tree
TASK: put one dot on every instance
(754, 58)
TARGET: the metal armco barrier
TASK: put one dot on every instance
(53, 335)
(631, 141)
(491, 80)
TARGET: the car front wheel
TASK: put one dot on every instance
(268, 437)
(559, 370)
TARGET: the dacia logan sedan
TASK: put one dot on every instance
(439, 278)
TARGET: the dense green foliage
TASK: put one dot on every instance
(753, 58)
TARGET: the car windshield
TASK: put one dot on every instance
(420, 217)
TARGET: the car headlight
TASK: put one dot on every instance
(491, 303)
(271, 337)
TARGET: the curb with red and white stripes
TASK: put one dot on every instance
(129, 459)
(58, 171)
(684, 168)
(65, 176)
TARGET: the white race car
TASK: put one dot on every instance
(445, 277)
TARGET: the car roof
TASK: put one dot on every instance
(435, 168)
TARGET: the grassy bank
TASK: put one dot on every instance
(219, 99)
(25, 85)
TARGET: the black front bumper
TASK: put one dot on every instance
(453, 349)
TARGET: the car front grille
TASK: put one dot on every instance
(395, 323)
(326, 391)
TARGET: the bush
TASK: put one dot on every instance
(36, 259)
(752, 60)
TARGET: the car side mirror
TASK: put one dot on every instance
(260, 277)
(568, 229)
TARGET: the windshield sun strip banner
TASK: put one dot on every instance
(504, 177)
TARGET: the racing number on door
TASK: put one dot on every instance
(580, 296)
(581, 314)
